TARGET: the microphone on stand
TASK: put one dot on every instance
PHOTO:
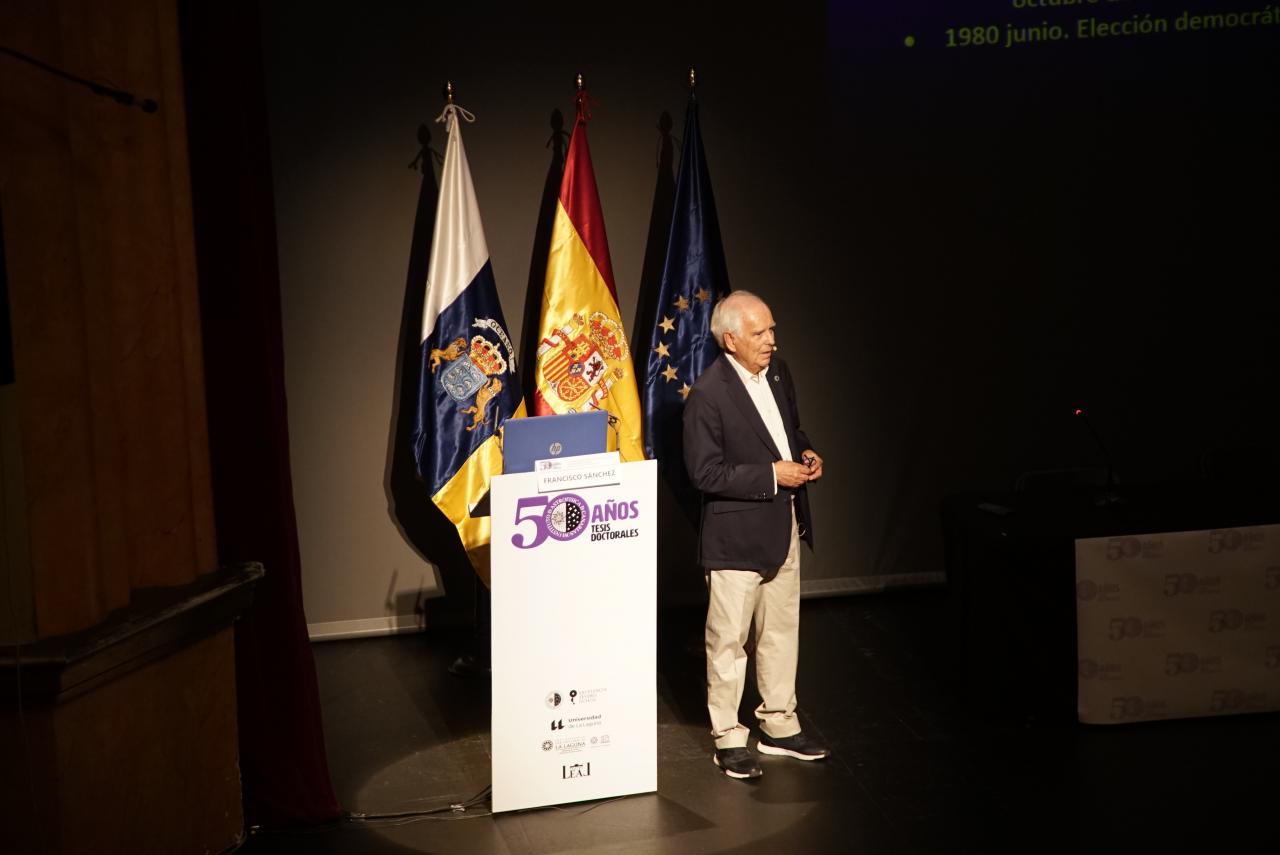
(1110, 497)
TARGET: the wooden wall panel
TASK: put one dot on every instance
(106, 325)
(51, 347)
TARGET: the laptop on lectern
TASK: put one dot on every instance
(544, 437)
(527, 440)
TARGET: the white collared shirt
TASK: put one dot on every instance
(757, 386)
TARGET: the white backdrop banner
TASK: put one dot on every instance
(574, 605)
(1178, 625)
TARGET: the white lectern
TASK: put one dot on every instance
(574, 606)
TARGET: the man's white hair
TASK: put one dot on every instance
(727, 314)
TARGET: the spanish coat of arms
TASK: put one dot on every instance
(583, 359)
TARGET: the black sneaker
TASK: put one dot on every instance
(737, 763)
(799, 746)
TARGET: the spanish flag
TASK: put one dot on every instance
(583, 359)
(468, 386)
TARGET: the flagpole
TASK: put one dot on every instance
(470, 662)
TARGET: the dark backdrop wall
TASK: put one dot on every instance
(1084, 218)
(961, 244)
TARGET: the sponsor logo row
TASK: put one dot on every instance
(1215, 542)
(1132, 707)
(1176, 664)
(1216, 621)
(574, 697)
(575, 744)
(1180, 585)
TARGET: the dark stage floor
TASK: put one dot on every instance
(916, 768)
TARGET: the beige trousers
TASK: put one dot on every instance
(737, 597)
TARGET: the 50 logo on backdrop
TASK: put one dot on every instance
(566, 516)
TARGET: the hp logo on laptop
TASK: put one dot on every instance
(555, 448)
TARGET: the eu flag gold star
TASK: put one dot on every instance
(670, 373)
(685, 390)
(702, 295)
(681, 303)
(662, 350)
(668, 324)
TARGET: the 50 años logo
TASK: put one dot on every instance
(566, 516)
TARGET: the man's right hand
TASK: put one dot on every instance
(790, 473)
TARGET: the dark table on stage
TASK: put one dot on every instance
(1010, 564)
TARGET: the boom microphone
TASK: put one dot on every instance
(1109, 497)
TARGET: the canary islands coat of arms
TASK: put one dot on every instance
(583, 359)
(473, 369)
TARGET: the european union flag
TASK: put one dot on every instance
(693, 279)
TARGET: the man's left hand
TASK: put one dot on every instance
(811, 459)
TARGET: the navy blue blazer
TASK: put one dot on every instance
(730, 455)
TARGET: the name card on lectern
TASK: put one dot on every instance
(555, 480)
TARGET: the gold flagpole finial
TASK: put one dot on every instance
(448, 91)
(693, 79)
(580, 83)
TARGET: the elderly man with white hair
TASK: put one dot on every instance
(746, 452)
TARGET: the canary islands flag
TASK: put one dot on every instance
(468, 384)
(584, 362)
(694, 278)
